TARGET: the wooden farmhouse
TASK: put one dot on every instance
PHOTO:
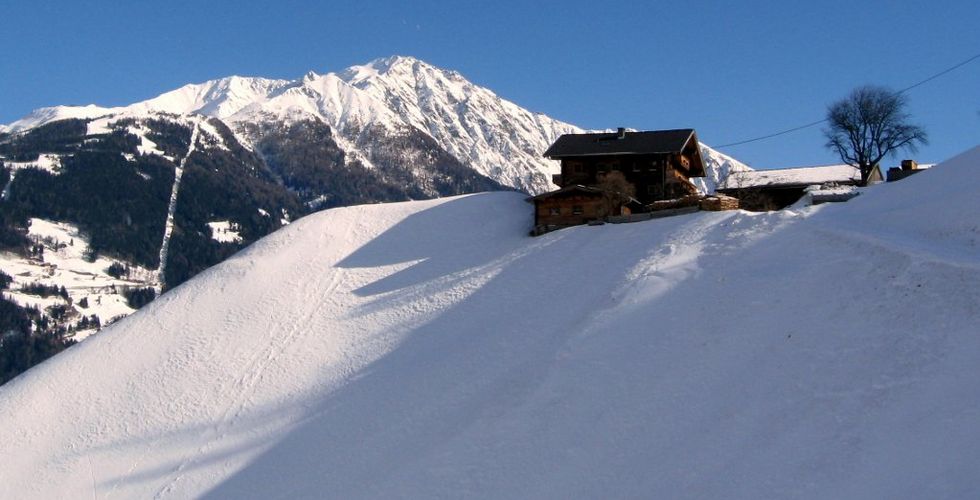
(763, 190)
(609, 174)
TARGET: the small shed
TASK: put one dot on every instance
(577, 204)
(762, 190)
(908, 168)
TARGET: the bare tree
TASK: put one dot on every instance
(617, 191)
(870, 124)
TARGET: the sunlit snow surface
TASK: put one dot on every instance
(433, 349)
(224, 232)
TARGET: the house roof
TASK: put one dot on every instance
(792, 177)
(605, 143)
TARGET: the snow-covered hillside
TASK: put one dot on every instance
(367, 106)
(91, 287)
(432, 349)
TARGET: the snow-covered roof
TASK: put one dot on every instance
(786, 177)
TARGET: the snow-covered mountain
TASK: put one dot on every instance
(498, 138)
(91, 207)
(366, 106)
(259, 152)
(433, 349)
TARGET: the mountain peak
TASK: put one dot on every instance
(310, 76)
(379, 67)
(385, 64)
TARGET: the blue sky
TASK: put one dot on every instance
(732, 70)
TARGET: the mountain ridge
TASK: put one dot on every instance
(492, 135)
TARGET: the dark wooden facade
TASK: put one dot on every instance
(766, 198)
(576, 205)
(612, 174)
(658, 165)
(908, 168)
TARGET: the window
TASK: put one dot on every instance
(554, 211)
(576, 209)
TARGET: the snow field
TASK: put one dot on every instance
(431, 348)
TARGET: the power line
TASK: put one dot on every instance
(776, 134)
(941, 73)
(818, 122)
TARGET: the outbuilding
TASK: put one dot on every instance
(576, 205)
(762, 190)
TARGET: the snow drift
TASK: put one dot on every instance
(432, 349)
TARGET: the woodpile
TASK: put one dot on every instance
(686, 201)
(719, 202)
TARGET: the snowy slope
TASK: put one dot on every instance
(41, 116)
(390, 97)
(430, 349)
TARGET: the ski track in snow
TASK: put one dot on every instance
(172, 208)
(919, 251)
(254, 371)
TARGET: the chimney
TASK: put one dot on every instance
(621, 133)
(909, 165)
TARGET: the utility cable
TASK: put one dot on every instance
(818, 122)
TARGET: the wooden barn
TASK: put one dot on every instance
(775, 189)
(610, 174)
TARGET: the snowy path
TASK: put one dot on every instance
(172, 208)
